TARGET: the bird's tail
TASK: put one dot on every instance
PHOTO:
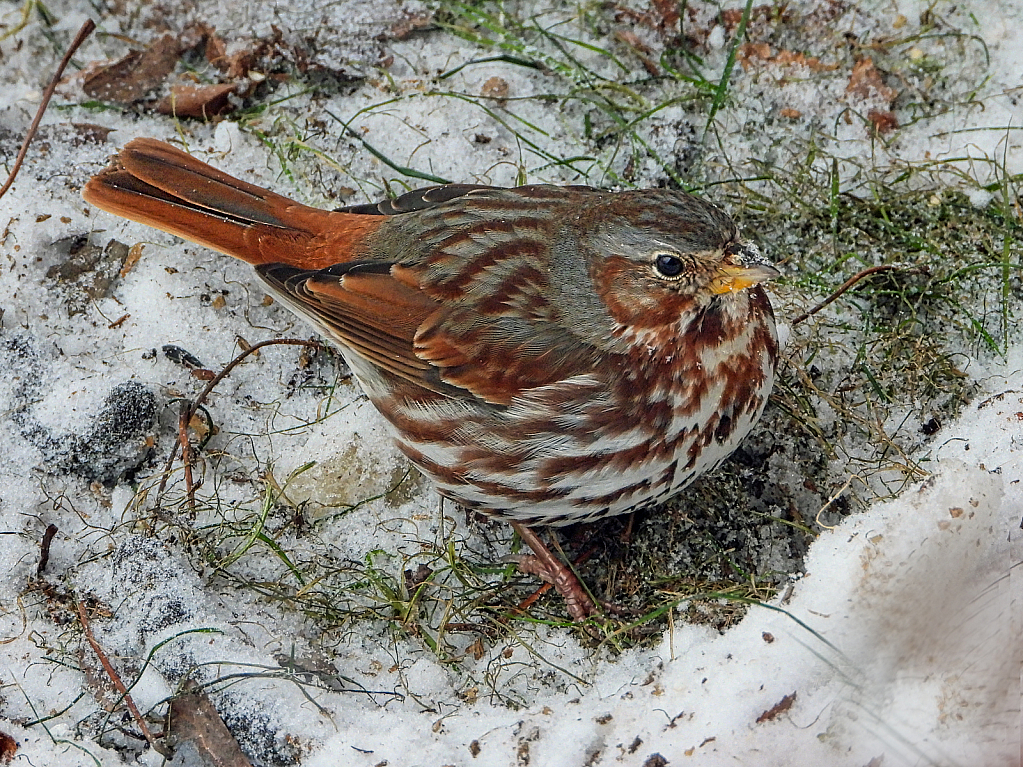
(159, 185)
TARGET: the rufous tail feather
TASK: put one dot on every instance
(161, 186)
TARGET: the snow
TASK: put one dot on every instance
(900, 640)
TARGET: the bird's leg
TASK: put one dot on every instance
(579, 603)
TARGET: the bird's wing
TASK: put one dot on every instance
(381, 313)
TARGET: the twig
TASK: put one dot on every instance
(184, 419)
(118, 684)
(845, 286)
(83, 33)
(44, 548)
(187, 413)
(834, 497)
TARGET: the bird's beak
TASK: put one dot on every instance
(746, 269)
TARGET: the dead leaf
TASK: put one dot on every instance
(414, 580)
(89, 132)
(778, 708)
(133, 77)
(234, 65)
(495, 88)
(666, 12)
(134, 254)
(8, 748)
(195, 35)
(794, 58)
(884, 122)
(751, 54)
(731, 17)
(89, 271)
(476, 649)
(216, 51)
(202, 101)
(198, 424)
(631, 39)
(402, 30)
(865, 81)
(195, 721)
(641, 49)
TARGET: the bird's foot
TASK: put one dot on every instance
(545, 565)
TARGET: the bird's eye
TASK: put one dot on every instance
(668, 265)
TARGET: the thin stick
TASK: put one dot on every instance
(187, 413)
(118, 684)
(44, 549)
(83, 33)
(845, 286)
(186, 456)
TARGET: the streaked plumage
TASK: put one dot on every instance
(545, 354)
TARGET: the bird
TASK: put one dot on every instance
(544, 354)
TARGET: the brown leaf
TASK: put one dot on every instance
(194, 720)
(198, 424)
(476, 649)
(813, 63)
(414, 580)
(884, 122)
(195, 35)
(495, 88)
(235, 65)
(8, 747)
(89, 132)
(216, 51)
(202, 101)
(754, 53)
(134, 254)
(641, 49)
(749, 53)
(631, 39)
(731, 17)
(865, 81)
(778, 708)
(131, 78)
(402, 30)
(666, 12)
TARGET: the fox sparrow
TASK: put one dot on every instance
(544, 354)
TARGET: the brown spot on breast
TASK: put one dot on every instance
(615, 497)
(555, 469)
(724, 428)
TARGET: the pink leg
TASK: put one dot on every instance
(579, 604)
